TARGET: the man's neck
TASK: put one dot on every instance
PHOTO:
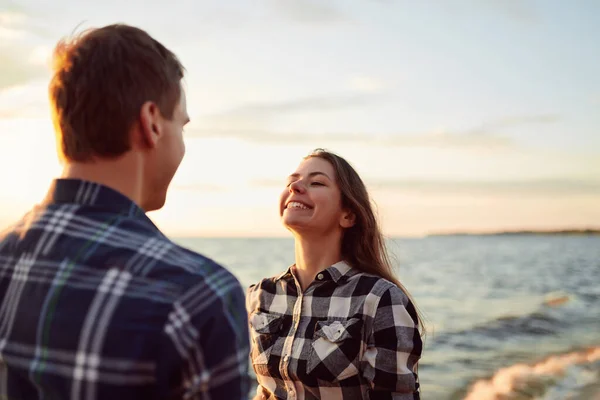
(314, 254)
(123, 175)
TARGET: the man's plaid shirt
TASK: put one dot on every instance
(96, 303)
(350, 335)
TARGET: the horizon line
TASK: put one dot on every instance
(540, 231)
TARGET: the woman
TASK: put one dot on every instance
(336, 324)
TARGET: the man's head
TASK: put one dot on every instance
(117, 92)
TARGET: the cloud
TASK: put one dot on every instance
(18, 22)
(487, 135)
(532, 186)
(25, 101)
(307, 104)
(309, 11)
(517, 120)
(519, 10)
(16, 68)
(522, 11)
(256, 116)
(21, 56)
(366, 84)
(443, 140)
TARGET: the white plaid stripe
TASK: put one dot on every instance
(82, 277)
(151, 252)
(87, 193)
(57, 280)
(23, 351)
(85, 373)
(184, 335)
(336, 337)
(8, 310)
(155, 248)
(122, 371)
(197, 300)
(196, 376)
(179, 330)
(85, 228)
(57, 222)
(226, 370)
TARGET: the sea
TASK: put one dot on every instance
(508, 317)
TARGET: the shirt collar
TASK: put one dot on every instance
(339, 270)
(286, 274)
(336, 272)
(86, 193)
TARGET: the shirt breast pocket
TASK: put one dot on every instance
(265, 329)
(335, 349)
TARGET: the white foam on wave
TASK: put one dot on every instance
(511, 382)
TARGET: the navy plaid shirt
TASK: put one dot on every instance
(96, 303)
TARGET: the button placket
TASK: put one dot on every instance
(288, 346)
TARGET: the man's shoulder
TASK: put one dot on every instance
(188, 266)
(16, 229)
(159, 258)
(101, 241)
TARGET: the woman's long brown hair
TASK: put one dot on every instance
(363, 245)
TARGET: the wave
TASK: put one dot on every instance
(567, 372)
(486, 336)
(548, 319)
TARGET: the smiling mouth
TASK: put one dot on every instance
(295, 205)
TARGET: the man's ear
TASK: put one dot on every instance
(348, 219)
(150, 124)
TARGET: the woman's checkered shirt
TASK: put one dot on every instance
(350, 335)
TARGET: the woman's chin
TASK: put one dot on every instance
(296, 226)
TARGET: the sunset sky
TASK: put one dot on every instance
(468, 115)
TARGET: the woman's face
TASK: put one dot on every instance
(311, 201)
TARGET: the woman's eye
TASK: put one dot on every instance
(317, 184)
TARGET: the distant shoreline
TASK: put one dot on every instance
(557, 232)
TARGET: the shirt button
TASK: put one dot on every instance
(320, 277)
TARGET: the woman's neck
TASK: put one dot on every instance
(315, 254)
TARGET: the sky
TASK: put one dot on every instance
(462, 115)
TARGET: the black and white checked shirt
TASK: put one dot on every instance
(96, 303)
(350, 335)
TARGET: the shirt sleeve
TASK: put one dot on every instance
(251, 298)
(208, 329)
(393, 349)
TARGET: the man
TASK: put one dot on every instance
(96, 303)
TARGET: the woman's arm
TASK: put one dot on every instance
(393, 349)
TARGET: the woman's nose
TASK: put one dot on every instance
(297, 187)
